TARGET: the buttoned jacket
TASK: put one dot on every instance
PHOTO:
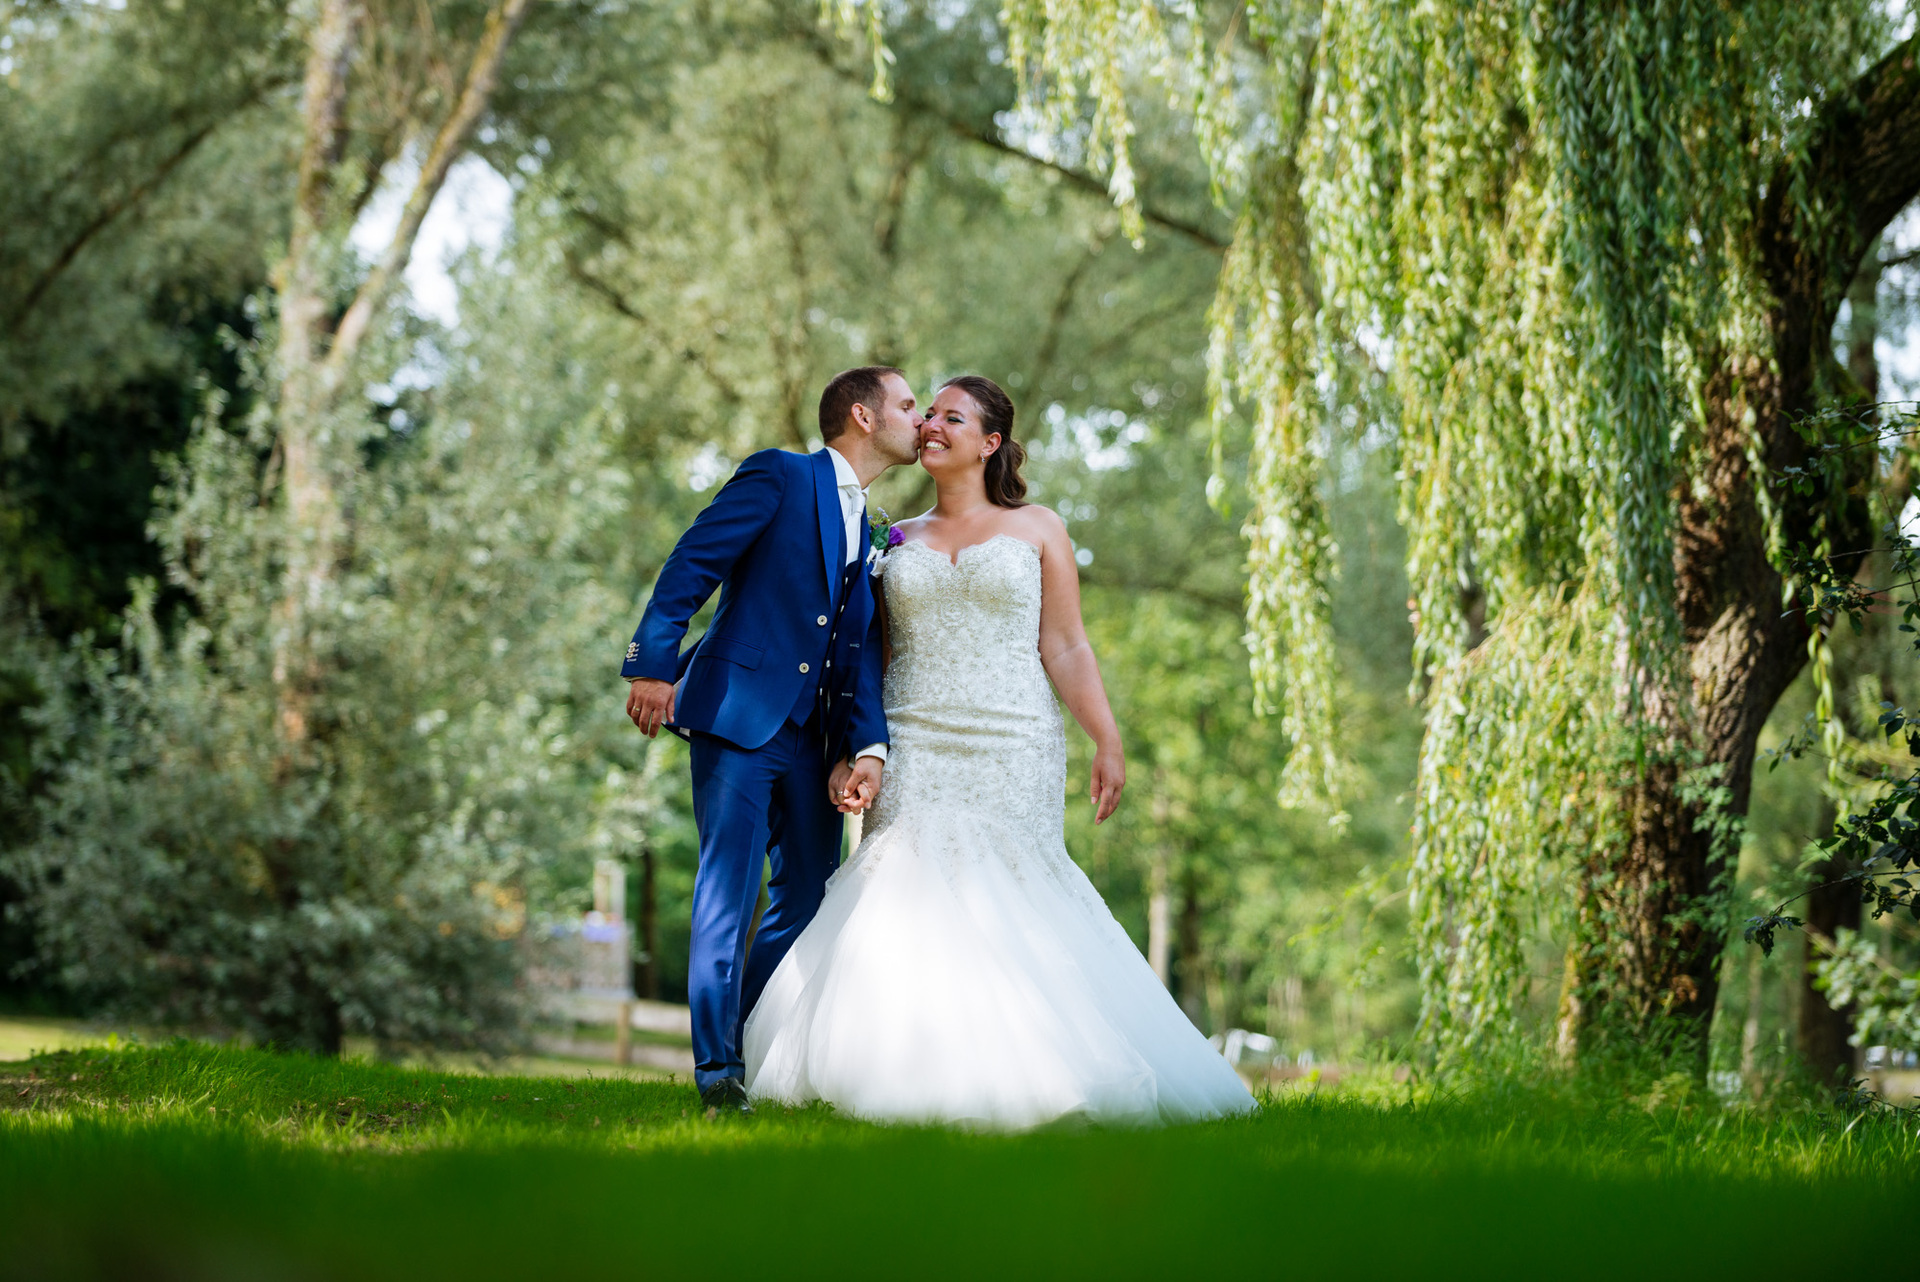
(773, 541)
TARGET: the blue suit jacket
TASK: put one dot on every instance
(773, 541)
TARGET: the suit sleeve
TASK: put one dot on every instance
(704, 557)
(868, 724)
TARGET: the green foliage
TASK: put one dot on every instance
(1875, 838)
(1879, 839)
(1496, 832)
(188, 1153)
(1277, 919)
(1884, 999)
(170, 875)
(135, 141)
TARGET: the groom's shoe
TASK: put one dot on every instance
(725, 1096)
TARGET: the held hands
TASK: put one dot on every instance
(650, 704)
(1109, 777)
(852, 788)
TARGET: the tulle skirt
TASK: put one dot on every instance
(963, 970)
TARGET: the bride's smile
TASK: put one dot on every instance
(953, 438)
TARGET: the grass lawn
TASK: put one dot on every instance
(22, 1036)
(190, 1161)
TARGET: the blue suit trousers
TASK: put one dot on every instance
(768, 802)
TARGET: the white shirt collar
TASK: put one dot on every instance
(843, 473)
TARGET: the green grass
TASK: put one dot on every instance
(190, 1161)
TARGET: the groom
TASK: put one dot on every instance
(785, 683)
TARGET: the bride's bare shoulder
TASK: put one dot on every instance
(1036, 524)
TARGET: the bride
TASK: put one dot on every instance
(961, 968)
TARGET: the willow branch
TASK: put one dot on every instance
(1865, 162)
(102, 220)
(1079, 178)
(482, 75)
(622, 307)
(905, 100)
(1900, 259)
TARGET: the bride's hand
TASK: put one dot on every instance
(852, 788)
(1109, 777)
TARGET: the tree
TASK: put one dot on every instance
(1597, 250)
(317, 831)
(131, 141)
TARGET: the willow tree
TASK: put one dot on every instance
(1594, 252)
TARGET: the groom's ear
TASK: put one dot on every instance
(862, 416)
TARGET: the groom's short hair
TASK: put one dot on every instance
(866, 385)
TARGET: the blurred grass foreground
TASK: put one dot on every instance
(188, 1160)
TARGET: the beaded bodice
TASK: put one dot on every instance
(970, 713)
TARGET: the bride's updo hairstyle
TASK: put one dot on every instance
(1005, 486)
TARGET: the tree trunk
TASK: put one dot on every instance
(313, 517)
(1822, 1030)
(314, 357)
(1653, 917)
(1159, 914)
(1750, 1029)
(333, 1033)
(649, 924)
(1192, 988)
(1652, 932)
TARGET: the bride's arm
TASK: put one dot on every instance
(1070, 663)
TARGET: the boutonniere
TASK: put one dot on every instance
(881, 536)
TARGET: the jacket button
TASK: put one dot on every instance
(822, 620)
(803, 667)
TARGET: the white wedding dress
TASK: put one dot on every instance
(961, 968)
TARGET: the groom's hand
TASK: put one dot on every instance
(852, 788)
(650, 704)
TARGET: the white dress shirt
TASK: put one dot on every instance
(853, 502)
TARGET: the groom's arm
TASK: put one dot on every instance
(705, 555)
(868, 724)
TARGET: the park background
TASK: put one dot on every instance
(670, 230)
(666, 227)
(1424, 390)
